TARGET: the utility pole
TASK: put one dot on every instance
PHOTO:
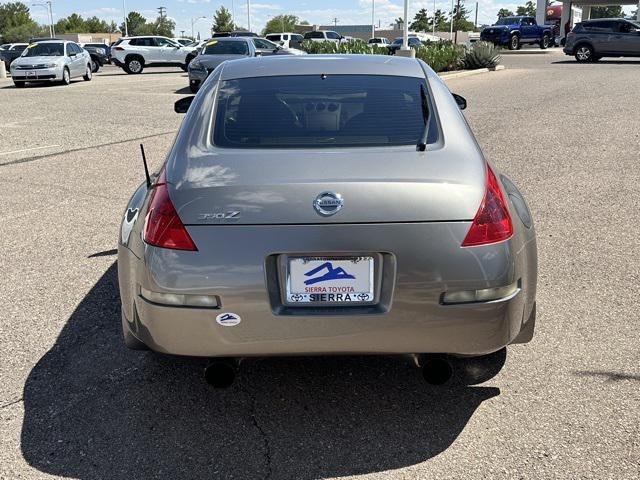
(335, 21)
(47, 5)
(405, 27)
(182, 33)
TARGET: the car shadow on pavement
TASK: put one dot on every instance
(600, 62)
(184, 91)
(94, 410)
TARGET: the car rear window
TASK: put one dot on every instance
(215, 47)
(319, 111)
(273, 38)
(314, 35)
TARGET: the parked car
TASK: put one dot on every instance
(266, 47)
(513, 32)
(51, 61)
(286, 39)
(100, 54)
(236, 33)
(10, 51)
(591, 40)
(261, 234)
(323, 36)
(218, 50)
(413, 42)
(185, 42)
(134, 54)
(380, 41)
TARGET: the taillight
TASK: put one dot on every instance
(492, 223)
(162, 225)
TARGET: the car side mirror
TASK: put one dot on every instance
(460, 100)
(258, 54)
(182, 105)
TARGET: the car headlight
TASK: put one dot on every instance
(101, 51)
(51, 65)
(196, 65)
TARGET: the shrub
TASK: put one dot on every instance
(441, 56)
(481, 55)
(352, 46)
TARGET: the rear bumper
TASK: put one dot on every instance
(427, 262)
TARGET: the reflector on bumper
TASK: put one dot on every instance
(483, 295)
(180, 300)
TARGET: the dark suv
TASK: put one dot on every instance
(591, 40)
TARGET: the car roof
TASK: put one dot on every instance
(230, 39)
(53, 41)
(318, 64)
(592, 20)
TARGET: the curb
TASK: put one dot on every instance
(530, 51)
(469, 73)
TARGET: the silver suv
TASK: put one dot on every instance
(591, 40)
(134, 54)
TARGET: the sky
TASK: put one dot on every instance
(323, 12)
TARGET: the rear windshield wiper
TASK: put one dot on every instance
(422, 144)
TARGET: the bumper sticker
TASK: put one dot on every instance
(228, 319)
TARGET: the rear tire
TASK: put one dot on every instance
(134, 65)
(193, 88)
(19, 84)
(514, 42)
(584, 53)
(544, 43)
(88, 74)
(95, 66)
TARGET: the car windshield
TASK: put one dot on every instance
(319, 111)
(215, 47)
(508, 21)
(48, 49)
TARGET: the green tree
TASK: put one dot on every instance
(136, 24)
(95, 25)
(421, 21)
(281, 23)
(607, 12)
(529, 9)
(504, 12)
(222, 21)
(442, 25)
(74, 23)
(16, 24)
(460, 18)
(14, 14)
(164, 26)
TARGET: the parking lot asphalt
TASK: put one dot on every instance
(74, 402)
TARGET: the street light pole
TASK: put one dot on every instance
(373, 18)
(405, 27)
(47, 5)
(249, 15)
(434, 17)
(451, 32)
(124, 12)
(193, 21)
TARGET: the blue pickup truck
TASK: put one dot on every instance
(513, 32)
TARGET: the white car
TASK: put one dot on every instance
(323, 36)
(286, 39)
(51, 61)
(380, 41)
(184, 41)
(134, 54)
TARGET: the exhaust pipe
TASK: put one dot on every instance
(436, 369)
(221, 372)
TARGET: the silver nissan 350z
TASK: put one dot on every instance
(317, 205)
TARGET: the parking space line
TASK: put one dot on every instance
(28, 149)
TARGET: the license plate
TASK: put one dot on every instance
(330, 280)
(31, 74)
